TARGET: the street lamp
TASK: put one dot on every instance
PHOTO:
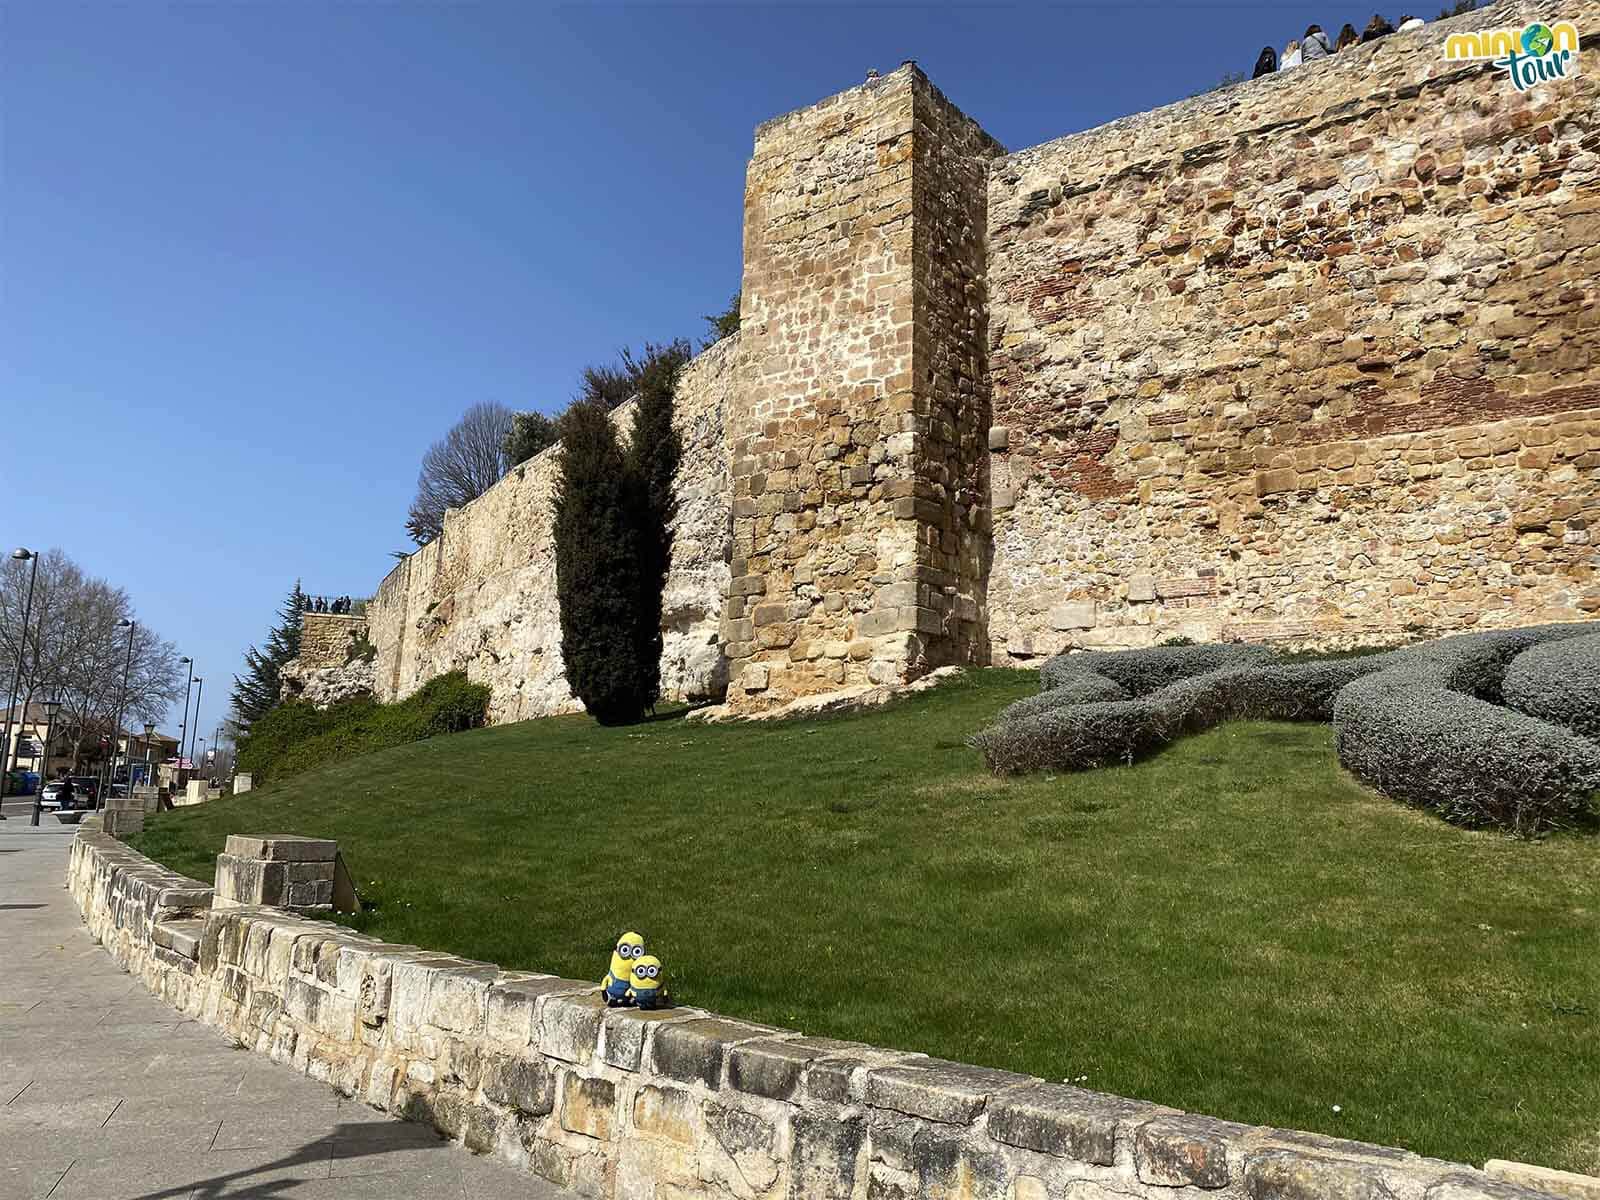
(183, 728)
(116, 728)
(51, 707)
(6, 757)
(149, 736)
(198, 692)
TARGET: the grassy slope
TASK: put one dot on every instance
(1233, 927)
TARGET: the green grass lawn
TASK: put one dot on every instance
(1233, 927)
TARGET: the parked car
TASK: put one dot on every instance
(50, 797)
(88, 789)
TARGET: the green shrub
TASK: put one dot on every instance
(1143, 671)
(1422, 723)
(1429, 729)
(361, 649)
(294, 736)
(600, 568)
(1558, 682)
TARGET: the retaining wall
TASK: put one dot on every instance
(682, 1103)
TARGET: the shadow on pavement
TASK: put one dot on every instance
(342, 1143)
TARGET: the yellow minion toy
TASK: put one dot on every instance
(629, 948)
(648, 985)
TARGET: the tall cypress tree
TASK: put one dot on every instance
(599, 567)
(654, 452)
(257, 691)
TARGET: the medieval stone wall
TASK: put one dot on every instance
(326, 638)
(482, 596)
(1310, 357)
(855, 473)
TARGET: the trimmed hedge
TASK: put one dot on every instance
(1422, 723)
(1430, 730)
(295, 736)
(1143, 671)
(1559, 683)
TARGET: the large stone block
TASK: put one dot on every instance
(588, 1106)
(281, 847)
(826, 1156)
(1183, 1150)
(1294, 1175)
(569, 1024)
(695, 1050)
(666, 1112)
(1063, 1121)
(937, 1090)
(525, 1084)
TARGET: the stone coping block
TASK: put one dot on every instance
(281, 847)
(953, 1093)
(683, 1103)
(1558, 1183)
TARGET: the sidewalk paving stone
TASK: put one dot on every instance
(107, 1094)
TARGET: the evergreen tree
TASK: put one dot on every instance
(530, 433)
(724, 322)
(654, 452)
(599, 566)
(257, 690)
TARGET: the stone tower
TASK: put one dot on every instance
(858, 441)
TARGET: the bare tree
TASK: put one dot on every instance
(75, 651)
(459, 468)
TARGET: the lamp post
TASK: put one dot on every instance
(183, 727)
(6, 757)
(116, 728)
(199, 691)
(149, 736)
(50, 709)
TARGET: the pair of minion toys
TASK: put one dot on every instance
(636, 979)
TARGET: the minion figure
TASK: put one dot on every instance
(648, 985)
(628, 950)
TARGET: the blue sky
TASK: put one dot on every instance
(255, 257)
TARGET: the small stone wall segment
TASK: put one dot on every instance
(676, 1104)
(482, 596)
(326, 638)
(277, 869)
(857, 500)
(1309, 357)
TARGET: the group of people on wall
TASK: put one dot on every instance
(321, 604)
(1315, 44)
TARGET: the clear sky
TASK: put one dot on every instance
(255, 257)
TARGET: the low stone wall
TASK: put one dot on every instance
(682, 1103)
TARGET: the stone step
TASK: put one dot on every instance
(180, 936)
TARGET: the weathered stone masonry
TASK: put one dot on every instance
(859, 519)
(680, 1103)
(1309, 358)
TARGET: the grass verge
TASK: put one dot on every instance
(1233, 926)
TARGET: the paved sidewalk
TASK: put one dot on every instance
(107, 1094)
